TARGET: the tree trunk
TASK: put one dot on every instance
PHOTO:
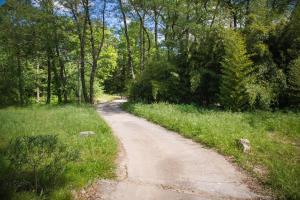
(20, 79)
(48, 80)
(141, 47)
(57, 82)
(62, 76)
(95, 51)
(37, 84)
(81, 32)
(129, 61)
(234, 20)
(156, 30)
(78, 82)
(82, 72)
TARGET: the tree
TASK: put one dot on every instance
(95, 49)
(236, 67)
(129, 54)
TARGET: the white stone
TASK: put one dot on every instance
(244, 144)
(86, 133)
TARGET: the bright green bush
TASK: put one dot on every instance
(158, 82)
(236, 67)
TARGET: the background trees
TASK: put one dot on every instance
(70, 49)
(235, 54)
(48, 45)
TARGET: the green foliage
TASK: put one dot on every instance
(274, 138)
(156, 83)
(206, 65)
(236, 68)
(37, 162)
(294, 82)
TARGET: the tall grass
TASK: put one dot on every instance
(97, 152)
(274, 138)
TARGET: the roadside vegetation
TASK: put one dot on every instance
(274, 138)
(43, 155)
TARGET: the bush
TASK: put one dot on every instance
(36, 163)
(294, 82)
(158, 82)
(236, 67)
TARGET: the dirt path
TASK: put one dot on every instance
(159, 164)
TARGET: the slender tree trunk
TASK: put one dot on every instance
(81, 32)
(95, 51)
(57, 82)
(49, 79)
(142, 18)
(20, 79)
(141, 47)
(129, 61)
(78, 82)
(82, 72)
(234, 20)
(62, 76)
(156, 30)
(37, 84)
(94, 59)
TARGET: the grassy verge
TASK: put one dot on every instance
(97, 152)
(274, 138)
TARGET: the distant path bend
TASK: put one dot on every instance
(157, 164)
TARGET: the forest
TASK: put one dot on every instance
(214, 71)
(234, 54)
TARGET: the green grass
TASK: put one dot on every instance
(97, 153)
(274, 138)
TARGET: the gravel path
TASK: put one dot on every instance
(155, 163)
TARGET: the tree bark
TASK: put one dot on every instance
(57, 82)
(141, 39)
(49, 79)
(81, 32)
(95, 51)
(129, 61)
(37, 84)
(20, 78)
(156, 30)
(62, 76)
(234, 20)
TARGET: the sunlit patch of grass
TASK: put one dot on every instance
(97, 152)
(107, 97)
(274, 138)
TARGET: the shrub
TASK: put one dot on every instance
(158, 82)
(37, 162)
(236, 67)
(294, 82)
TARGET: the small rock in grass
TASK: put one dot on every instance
(86, 133)
(244, 144)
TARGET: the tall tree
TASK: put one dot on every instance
(129, 52)
(95, 48)
(236, 68)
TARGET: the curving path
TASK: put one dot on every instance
(157, 164)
